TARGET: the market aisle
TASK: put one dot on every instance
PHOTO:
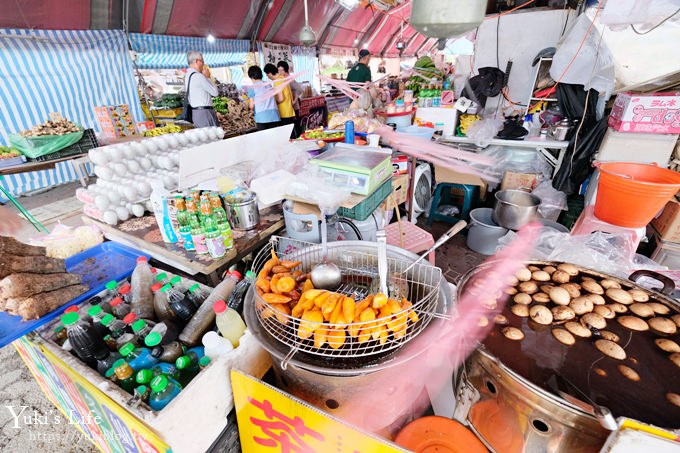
(18, 388)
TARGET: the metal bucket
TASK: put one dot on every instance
(484, 233)
(244, 215)
(515, 208)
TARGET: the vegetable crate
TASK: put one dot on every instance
(88, 142)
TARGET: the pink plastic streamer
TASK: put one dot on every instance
(439, 351)
(280, 85)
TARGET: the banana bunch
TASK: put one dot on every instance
(168, 129)
(466, 120)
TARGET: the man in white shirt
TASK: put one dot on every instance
(200, 91)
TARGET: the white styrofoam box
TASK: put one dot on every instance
(636, 147)
(271, 188)
(195, 418)
(446, 116)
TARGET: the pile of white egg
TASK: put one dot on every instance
(125, 169)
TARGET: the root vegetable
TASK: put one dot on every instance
(26, 285)
(11, 264)
(10, 246)
(36, 306)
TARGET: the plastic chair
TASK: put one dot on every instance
(587, 223)
(443, 196)
(410, 237)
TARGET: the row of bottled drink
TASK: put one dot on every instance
(146, 335)
(202, 223)
(430, 96)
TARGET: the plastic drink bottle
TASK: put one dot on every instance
(204, 317)
(144, 376)
(229, 322)
(188, 364)
(125, 374)
(167, 332)
(162, 278)
(183, 309)
(85, 341)
(119, 308)
(142, 393)
(349, 132)
(216, 346)
(111, 375)
(163, 390)
(204, 362)
(59, 335)
(141, 301)
(104, 304)
(111, 290)
(169, 352)
(96, 314)
(141, 329)
(129, 320)
(161, 211)
(138, 358)
(178, 285)
(167, 369)
(237, 296)
(124, 292)
(160, 304)
(106, 362)
(197, 295)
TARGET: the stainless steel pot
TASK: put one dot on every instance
(515, 208)
(330, 383)
(532, 396)
(243, 215)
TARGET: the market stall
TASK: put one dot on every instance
(357, 324)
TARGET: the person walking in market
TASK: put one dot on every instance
(361, 73)
(200, 91)
(261, 100)
(285, 102)
(296, 90)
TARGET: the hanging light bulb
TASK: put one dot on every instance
(438, 19)
(210, 38)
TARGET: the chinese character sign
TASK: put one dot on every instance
(270, 420)
(273, 53)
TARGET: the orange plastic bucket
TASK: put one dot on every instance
(630, 195)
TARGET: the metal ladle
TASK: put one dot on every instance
(325, 275)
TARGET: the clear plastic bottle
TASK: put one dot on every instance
(119, 308)
(111, 290)
(197, 295)
(87, 344)
(188, 364)
(162, 278)
(138, 358)
(178, 284)
(125, 375)
(96, 314)
(167, 332)
(141, 328)
(182, 308)
(125, 292)
(216, 346)
(142, 297)
(129, 320)
(163, 390)
(204, 362)
(160, 304)
(168, 353)
(229, 322)
(204, 317)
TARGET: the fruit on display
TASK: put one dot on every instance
(7, 152)
(425, 72)
(168, 129)
(60, 127)
(220, 104)
(320, 134)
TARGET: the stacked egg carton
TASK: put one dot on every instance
(124, 172)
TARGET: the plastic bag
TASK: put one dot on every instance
(45, 144)
(288, 157)
(312, 186)
(552, 201)
(483, 131)
(598, 251)
(65, 241)
(583, 62)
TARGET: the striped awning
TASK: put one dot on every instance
(170, 52)
(67, 71)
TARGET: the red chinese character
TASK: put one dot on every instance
(656, 103)
(282, 431)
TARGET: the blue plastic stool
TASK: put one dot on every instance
(466, 196)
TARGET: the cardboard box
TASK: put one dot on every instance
(400, 188)
(443, 174)
(516, 180)
(399, 165)
(667, 224)
(654, 113)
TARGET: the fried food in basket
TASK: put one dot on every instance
(329, 318)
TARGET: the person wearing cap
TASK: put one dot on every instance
(361, 72)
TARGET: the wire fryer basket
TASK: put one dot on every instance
(418, 286)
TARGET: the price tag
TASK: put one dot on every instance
(462, 104)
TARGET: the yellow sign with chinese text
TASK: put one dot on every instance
(270, 420)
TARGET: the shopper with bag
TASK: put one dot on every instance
(200, 91)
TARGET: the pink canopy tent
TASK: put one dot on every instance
(277, 21)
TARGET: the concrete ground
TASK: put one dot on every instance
(18, 387)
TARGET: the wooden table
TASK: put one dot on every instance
(143, 234)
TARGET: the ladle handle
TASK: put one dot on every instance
(381, 238)
(454, 230)
(324, 237)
